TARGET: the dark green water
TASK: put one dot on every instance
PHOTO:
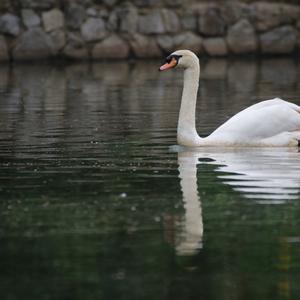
(95, 204)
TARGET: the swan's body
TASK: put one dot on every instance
(271, 123)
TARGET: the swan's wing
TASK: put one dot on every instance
(271, 102)
(260, 121)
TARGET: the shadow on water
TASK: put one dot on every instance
(94, 205)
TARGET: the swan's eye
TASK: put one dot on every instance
(173, 56)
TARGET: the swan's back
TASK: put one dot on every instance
(260, 121)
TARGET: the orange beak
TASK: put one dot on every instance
(169, 65)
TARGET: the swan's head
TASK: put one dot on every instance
(180, 58)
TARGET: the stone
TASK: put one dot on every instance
(281, 40)
(189, 20)
(189, 40)
(231, 11)
(92, 12)
(266, 15)
(111, 47)
(58, 38)
(215, 46)
(110, 3)
(4, 55)
(75, 16)
(211, 22)
(33, 44)
(144, 46)
(10, 24)
(289, 13)
(174, 3)
(171, 21)
(40, 4)
(146, 2)
(53, 19)
(128, 19)
(152, 23)
(30, 18)
(93, 29)
(166, 43)
(75, 48)
(241, 37)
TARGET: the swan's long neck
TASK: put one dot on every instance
(186, 130)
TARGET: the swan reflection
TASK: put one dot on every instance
(267, 176)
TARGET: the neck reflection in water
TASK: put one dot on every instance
(267, 176)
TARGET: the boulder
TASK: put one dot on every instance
(4, 56)
(75, 16)
(111, 47)
(110, 3)
(289, 13)
(241, 37)
(146, 2)
(152, 23)
(170, 20)
(215, 46)
(58, 38)
(266, 15)
(189, 40)
(232, 11)
(174, 3)
(93, 29)
(211, 23)
(30, 18)
(128, 19)
(40, 4)
(53, 19)
(143, 46)
(75, 48)
(33, 44)
(189, 20)
(10, 24)
(166, 43)
(281, 40)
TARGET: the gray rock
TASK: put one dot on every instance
(76, 53)
(166, 43)
(58, 38)
(189, 40)
(266, 15)
(215, 46)
(75, 48)
(75, 16)
(289, 13)
(146, 2)
(211, 23)
(93, 29)
(241, 37)
(144, 46)
(92, 12)
(151, 23)
(128, 18)
(171, 21)
(4, 56)
(232, 11)
(40, 4)
(110, 3)
(111, 47)
(53, 19)
(189, 20)
(10, 24)
(33, 44)
(174, 3)
(281, 40)
(30, 18)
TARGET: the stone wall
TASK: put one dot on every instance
(109, 29)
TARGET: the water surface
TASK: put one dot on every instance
(97, 203)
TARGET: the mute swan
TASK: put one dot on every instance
(270, 123)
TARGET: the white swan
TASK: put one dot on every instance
(271, 123)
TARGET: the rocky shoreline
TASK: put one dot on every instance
(113, 29)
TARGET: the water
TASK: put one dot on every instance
(98, 203)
